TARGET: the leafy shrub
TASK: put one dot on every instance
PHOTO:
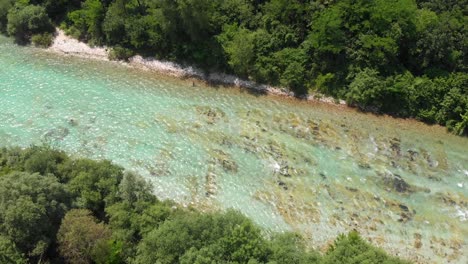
(42, 40)
(5, 6)
(9, 253)
(81, 238)
(352, 249)
(31, 207)
(120, 53)
(25, 21)
(87, 21)
(231, 238)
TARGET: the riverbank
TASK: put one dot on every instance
(67, 45)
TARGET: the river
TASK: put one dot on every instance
(314, 168)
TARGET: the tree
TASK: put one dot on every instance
(352, 249)
(87, 21)
(240, 12)
(290, 64)
(5, 6)
(94, 184)
(327, 35)
(81, 238)
(133, 188)
(366, 90)
(31, 207)
(441, 42)
(196, 18)
(113, 25)
(43, 160)
(290, 248)
(9, 254)
(231, 238)
(440, 6)
(239, 46)
(372, 92)
(25, 21)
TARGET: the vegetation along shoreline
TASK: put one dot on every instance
(405, 58)
(55, 208)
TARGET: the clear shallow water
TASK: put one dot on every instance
(289, 165)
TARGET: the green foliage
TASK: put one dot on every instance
(113, 25)
(239, 45)
(442, 41)
(291, 70)
(42, 40)
(43, 160)
(327, 35)
(290, 248)
(93, 184)
(5, 6)
(31, 207)
(9, 254)
(120, 53)
(366, 90)
(391, 95)
(231, 238)
(133, 189)
(87, 20)
(443, 100)
(352, 249)
(27, 20)
(81, 239)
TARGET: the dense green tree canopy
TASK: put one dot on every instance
(27, 20)
(31, 206)
(353, 249)
(9, 253)
(81, 238)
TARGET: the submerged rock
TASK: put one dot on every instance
(351, 189)
(452, 199)
(57, 133)
(404, 212)
(395, 182)
(225, 160)
(283, 185)
(398, 183)
(364, 165)
(417, 240)
(284, 171)
(229, 165)
(413, 154)
(429, 160)
(403, 207)
(211, 114)
(72, 122)
(395, 146)
(210, 184)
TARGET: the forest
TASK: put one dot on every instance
(405, 58)
(58, 209)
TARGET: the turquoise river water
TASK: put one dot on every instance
(314, 168)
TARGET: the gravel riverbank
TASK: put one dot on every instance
(67, 45)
